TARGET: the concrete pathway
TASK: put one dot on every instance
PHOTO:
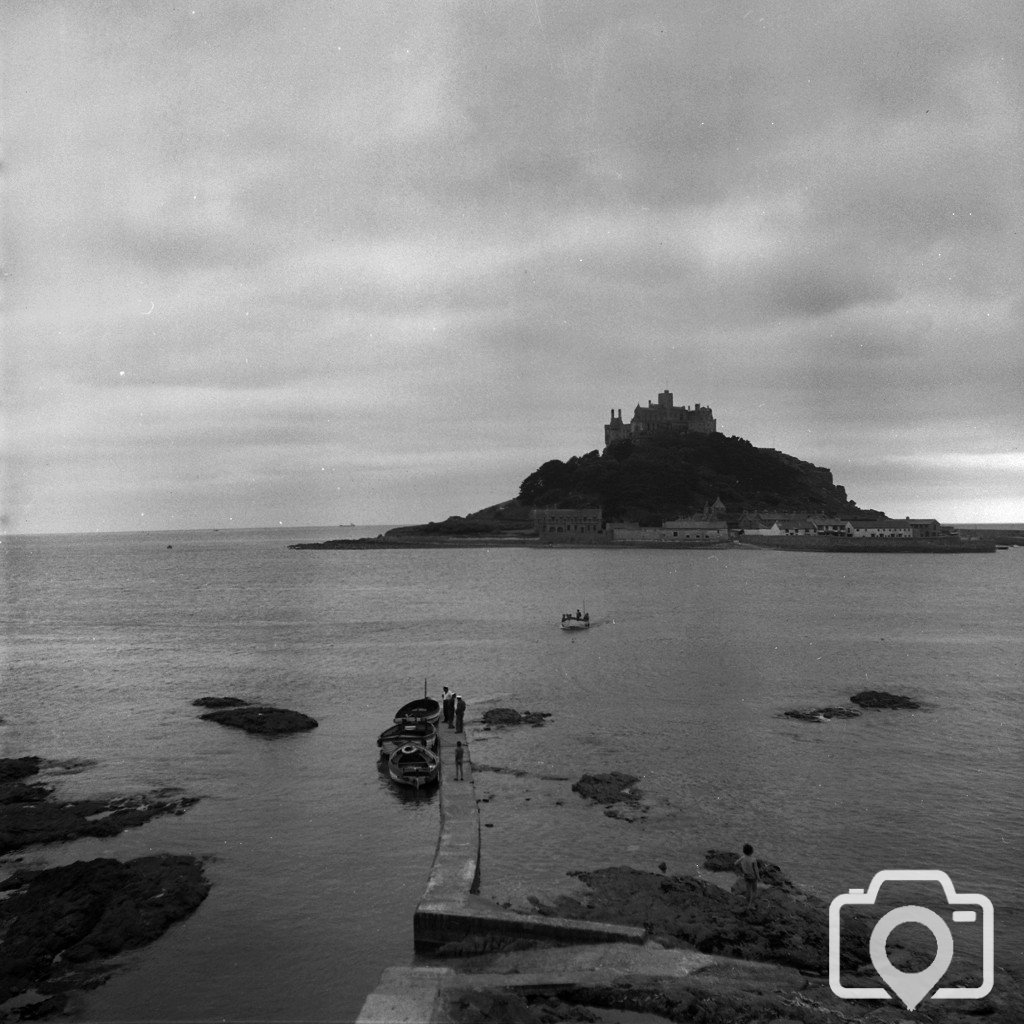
(452, 912)
(415, 995)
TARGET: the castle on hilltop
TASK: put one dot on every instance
(663, 417)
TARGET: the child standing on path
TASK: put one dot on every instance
(460, 753)
(747, 867)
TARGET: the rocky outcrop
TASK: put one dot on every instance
(509, 716)
(262, 719)
(29, 815)
(771, 874)
(609, 788)
(59, 926)
(787, 928)
(881, 699)
(14, 768)
(864, 699)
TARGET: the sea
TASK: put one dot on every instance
(317, 861)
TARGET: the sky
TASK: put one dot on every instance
(320, 263)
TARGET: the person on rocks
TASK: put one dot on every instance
(460, 753)
(460, 711)
(447, 700)
(747, 867)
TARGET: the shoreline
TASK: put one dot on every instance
(830, 545)
(670, 946)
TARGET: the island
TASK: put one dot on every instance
(668, 478)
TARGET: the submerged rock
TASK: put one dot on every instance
(609, 788)
(28, 815)
(220, 702)
(822, 714)
(881, 699)
(57, 923)
(262, 719)
(509, 716)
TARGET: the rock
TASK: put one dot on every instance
(23, 792)
(30, 816)
(881, 699)
(501, 716)
(220, 702)
(720, 860)
(609, 788)
(822, 714)
(782, 927)
(58, 919)
(771, 874)
(14, 768)
(623, 814)
(509, 716)
(262, 719)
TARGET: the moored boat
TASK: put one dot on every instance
(413, 765)
(426, 709)
(403, 733)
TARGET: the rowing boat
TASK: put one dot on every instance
(402, 733)
(413, 765)
(426, 709)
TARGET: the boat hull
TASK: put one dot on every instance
(426, 709)
(420, 733)
(415, 766)
(571, 624)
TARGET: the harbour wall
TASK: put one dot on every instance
(874, 545)
(451, 911)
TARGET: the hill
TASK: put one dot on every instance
(659, 478)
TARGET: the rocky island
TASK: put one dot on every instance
(669, 478)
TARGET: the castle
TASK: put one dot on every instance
(661, 417)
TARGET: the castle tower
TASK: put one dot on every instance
(660, 417)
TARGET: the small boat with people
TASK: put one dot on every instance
(425, 709)
(413, 765)
(577, 621)
(402, 733)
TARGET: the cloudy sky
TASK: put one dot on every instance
(316, 263)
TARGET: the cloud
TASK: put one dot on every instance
(359, 236)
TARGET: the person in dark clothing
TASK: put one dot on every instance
(460, 711)
(447, 705)
(747, 867)
(460, 753)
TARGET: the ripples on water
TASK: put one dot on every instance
(317, 862)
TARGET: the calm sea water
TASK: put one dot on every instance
(317, 862)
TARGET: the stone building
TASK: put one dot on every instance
(568, 523)
(659, 418)
(675, 531)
